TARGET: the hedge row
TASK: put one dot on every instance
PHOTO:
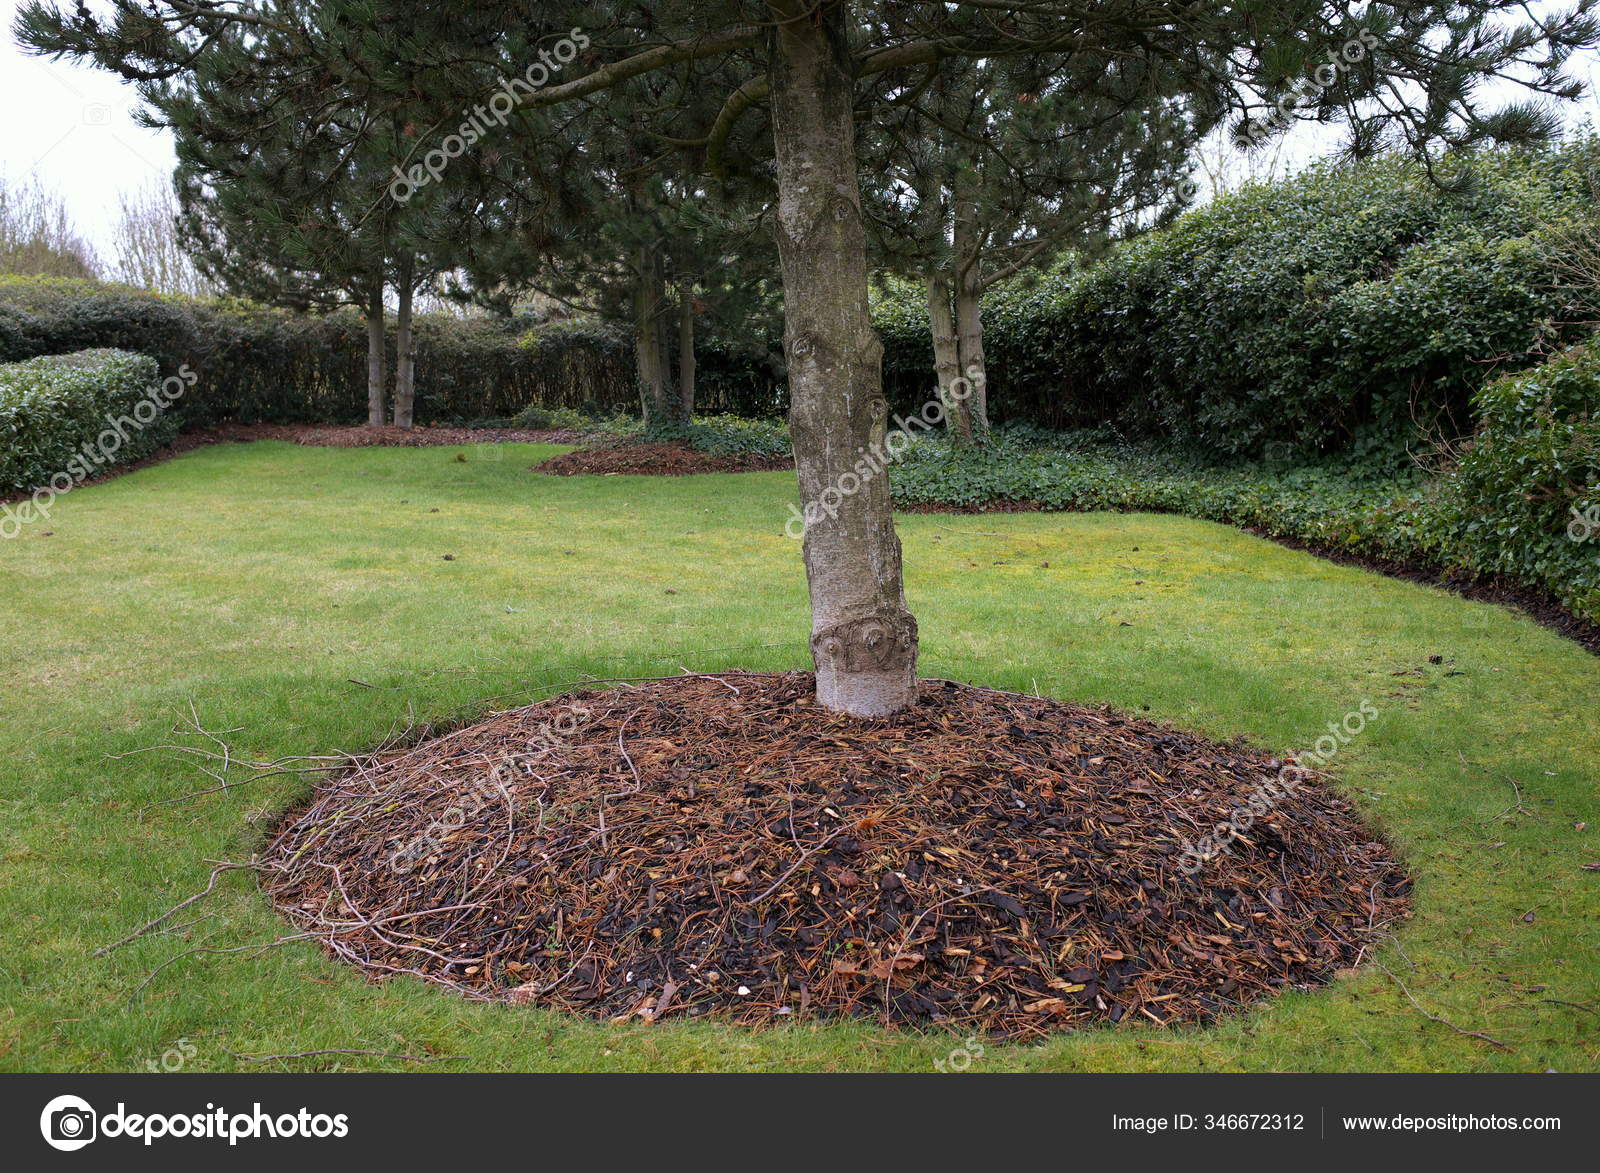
(262, 365)
(1520, 502)
(1308, 315)
(1330, 311)
(66, 418)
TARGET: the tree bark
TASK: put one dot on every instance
(969, 325)
(405, 358)
(947, 360)
(863, 638)
(686, 351)
(648, 353)
(974, 368)
(377, 415)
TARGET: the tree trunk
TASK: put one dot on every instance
(405, 359)
(947, 360)
(377, 416)
(969, 326)
(686, 352)
(863, 639)
(648, 353)
(969, 329)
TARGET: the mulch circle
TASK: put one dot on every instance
(667, 460)
(719, 845)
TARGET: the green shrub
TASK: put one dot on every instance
(540, 418)
(1524, 498)
(65, 418)
(728, 435)
(256, 364)
(1297, 316)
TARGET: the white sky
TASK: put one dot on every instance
(71, 127)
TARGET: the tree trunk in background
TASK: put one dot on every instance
(969, 330)
(377, 416)
(648, 353)
(968, 287)
(686, 352)
(947, 360)
(405, 358)
(863, 639)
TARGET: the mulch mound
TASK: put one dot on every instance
(985, 862)
(662, 460)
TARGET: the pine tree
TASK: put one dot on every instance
(995, 167)
(1414, 83)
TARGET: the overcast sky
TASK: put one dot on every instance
(72, 128)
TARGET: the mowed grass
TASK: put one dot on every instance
(253, 585)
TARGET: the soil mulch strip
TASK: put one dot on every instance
(670, 460)
(985, 862)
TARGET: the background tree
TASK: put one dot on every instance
(995, 167)
(37, 238)
(145, 247)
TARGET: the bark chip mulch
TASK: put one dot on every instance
(669, 460)
(985, 862)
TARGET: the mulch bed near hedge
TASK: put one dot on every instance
(650, 459)
(719, 845)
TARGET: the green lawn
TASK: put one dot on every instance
(256, 582)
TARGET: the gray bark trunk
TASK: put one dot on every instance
(405, 358)
(969, 326)
(863, 639)
(377, 416)
(648, 353)
(969, 329)
(947, 360)
(686, 352)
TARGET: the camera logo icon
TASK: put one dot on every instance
(68, 1123)
(96, 114)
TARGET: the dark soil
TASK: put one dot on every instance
(986, 862)
(669, 460)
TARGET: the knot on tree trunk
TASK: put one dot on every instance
(884, 641)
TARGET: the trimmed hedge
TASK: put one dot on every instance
(65, 418)
(1303, 316)
(257, 364)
